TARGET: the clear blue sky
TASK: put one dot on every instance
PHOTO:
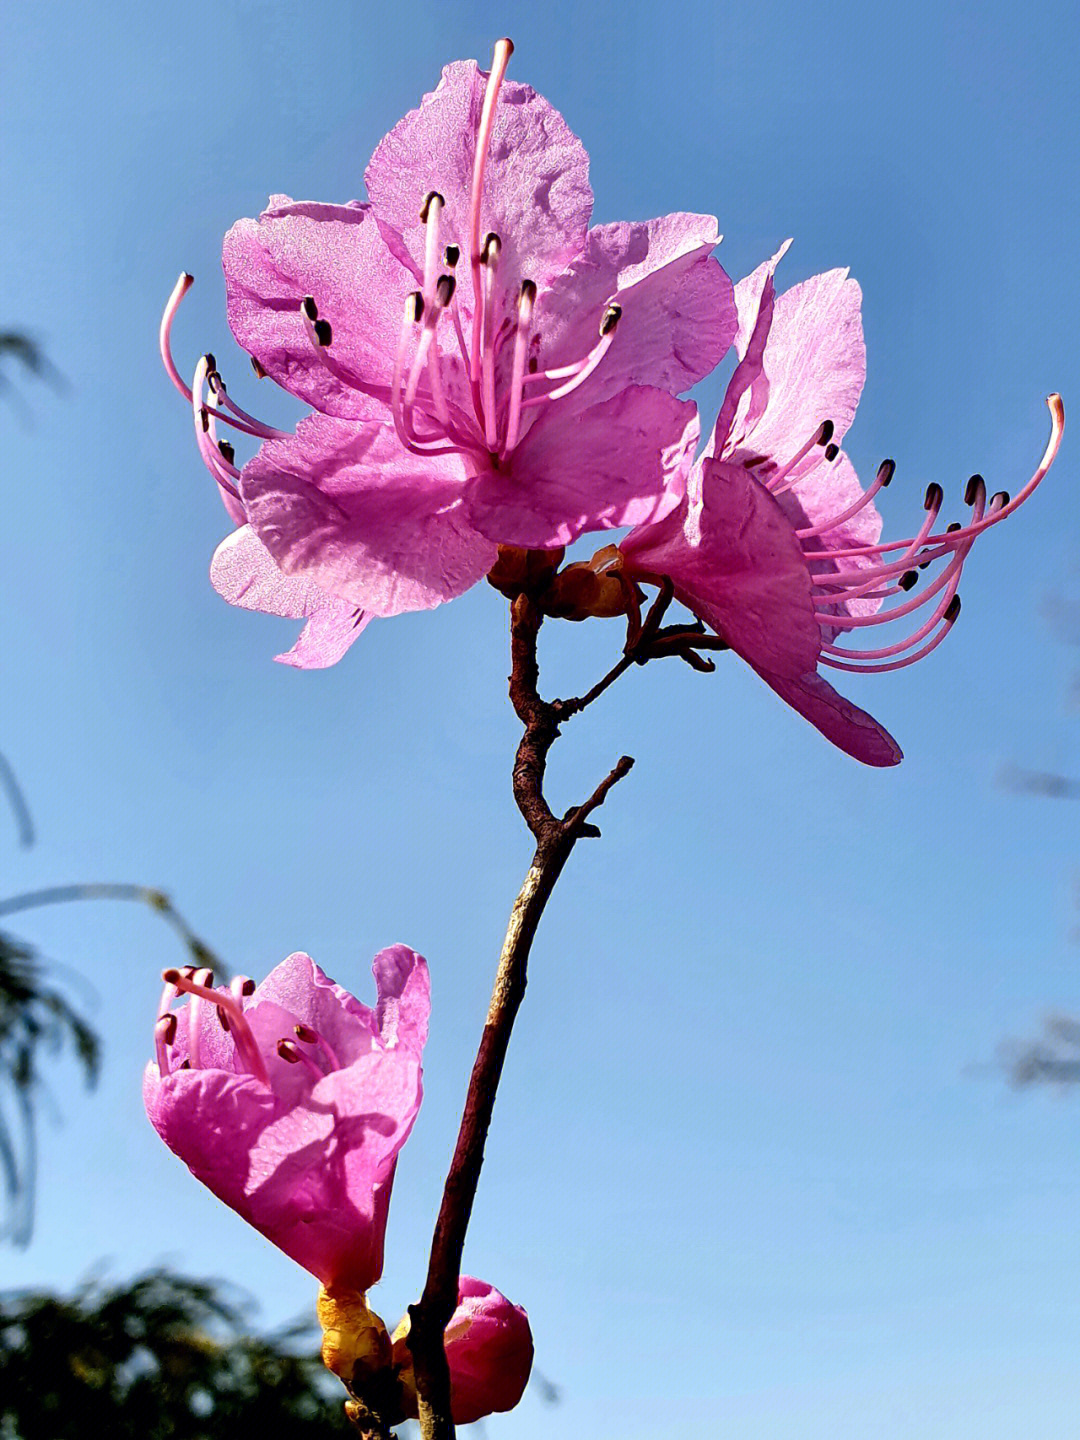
(745, 1171)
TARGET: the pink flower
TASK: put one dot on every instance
(290, 1100)
(777, 547)
(489, 1349)
(484, 368)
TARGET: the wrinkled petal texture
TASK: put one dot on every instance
(243, 572)
(536, 194)
(337, 255)
(345, 505)
(489, 1348)
(678, 306)
(733, 558)
(815, 365)
(620, 462)
(309, 1163)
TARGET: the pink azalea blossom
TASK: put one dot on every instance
(484, 368)
(290, 1100)
(489, 1349)
(777, 547)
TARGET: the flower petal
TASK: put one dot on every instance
(536, 195)
(733, 558)
(344, 505)
(244, 573)
(839, 720)
(815, 364)
(620, 462)
(338, 256)
(678, 307)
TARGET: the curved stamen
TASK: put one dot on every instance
(500, 59)
(526, 301)
(821, 436)
(951, 615)
(179, 290)
(581, 372)
(430, 212)
(862, 580)
(291, 1052)
(204, 979)
(994, 512)
(881, 479)
(246, 1045)
(312, 1037)
(414, 311)
(164, 1035)
(268, 432)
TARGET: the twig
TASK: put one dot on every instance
(555, 839)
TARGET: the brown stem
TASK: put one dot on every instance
(555, 839)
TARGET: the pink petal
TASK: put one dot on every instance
(489, 1349)
(733, 558)
(343, 504)
(815, 364)
(678, 308)
(755, 298)
(337, 255)
(404, 990)
(853, 730)
(536, 195)
(244, 573)
(620, 462)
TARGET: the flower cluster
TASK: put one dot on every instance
(485, 370)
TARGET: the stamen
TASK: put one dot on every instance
(579, 373)
(289, 1052)
(164, 1035)
(822, 436)
(430, 212)
(180, 289)
(451, 255)
(205, 980)
(312, 1037)
(268, 432)
(240, 987)
(526, 301)
(489, 261)
(246, 1045)
(881, 479)
(500, 59)
(950, 619)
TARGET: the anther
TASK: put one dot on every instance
(973, 487)
(306, 1034)
(444, 290)
(260, 373)
(610, 318)
(248, 987)
(886, 470)
(204, 420)
(908, 580)
(211, 364)
(310, 309)
(167, 1026)
(428, 198)
(528, 291)
(172, 976)
(417, 306)
(288, 1051)
(825, 434)
(451, 255)
(224, 1019)
(831, 451)
(491, 247)
(323, 333)
(999, 499)
(934, 496)
(953, 610)
(953, 526)
(227, 450)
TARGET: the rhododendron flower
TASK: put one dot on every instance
(489, 1349)
(290, 1100)
(777, 547)
(484, 368)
